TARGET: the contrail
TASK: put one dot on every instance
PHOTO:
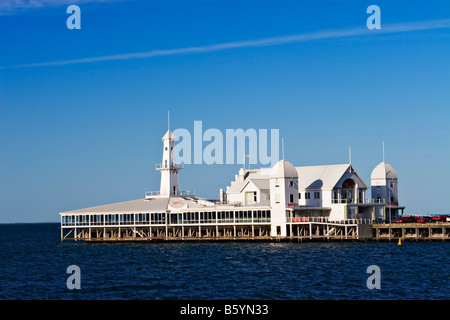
(274, 41)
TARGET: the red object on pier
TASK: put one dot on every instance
(440, 218)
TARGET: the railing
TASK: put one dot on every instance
(69, 221)
(187, 193)
(326, 220)
(109, 223)
(349, 201)
(149, 194)
(160, 166)
(256, 220)
(223, 221)
(389, 204)
(367, 201)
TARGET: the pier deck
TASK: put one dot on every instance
(412, 231)
(296, 231)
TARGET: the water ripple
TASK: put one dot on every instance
(34, 263)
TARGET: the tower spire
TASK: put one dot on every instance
(349, 154)
(168, 120)
(383, 151)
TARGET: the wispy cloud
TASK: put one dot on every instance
(274, 41)
(8, 7)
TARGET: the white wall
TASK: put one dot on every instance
(261, 195)
(337, 212)
(383, 189)
(280, 191)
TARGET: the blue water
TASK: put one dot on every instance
(34, 262)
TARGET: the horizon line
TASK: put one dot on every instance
(264, 42)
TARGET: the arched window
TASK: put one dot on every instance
(347, 190)
(348, 184)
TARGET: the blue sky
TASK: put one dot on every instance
(75, 135)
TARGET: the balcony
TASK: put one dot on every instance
(360, 201)
(151, 194)
(174, 166)
(348, 200)
(326, 220)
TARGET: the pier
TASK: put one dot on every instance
(281, 203)
(231, 229)
(297, 230)
(412, 231)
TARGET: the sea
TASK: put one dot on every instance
(34, 265)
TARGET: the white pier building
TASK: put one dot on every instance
(282, 202)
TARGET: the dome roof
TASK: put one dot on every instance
(383, 171)
(283, 169)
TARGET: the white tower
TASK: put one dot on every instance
(384, 182)
(283, 191)
(170, 183)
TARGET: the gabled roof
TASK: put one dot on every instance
(320, 177)
(312, 177)
(261, 184)
(258, 176)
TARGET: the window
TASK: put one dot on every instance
(299, 195)
(277, 198)
(157, 218)
(291, 183)
(316, 195)
(291, 198)
(277, 184)
(307, 195)
(250, 197)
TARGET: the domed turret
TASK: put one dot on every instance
(383, 171)
(384, 182)
(283, 169)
